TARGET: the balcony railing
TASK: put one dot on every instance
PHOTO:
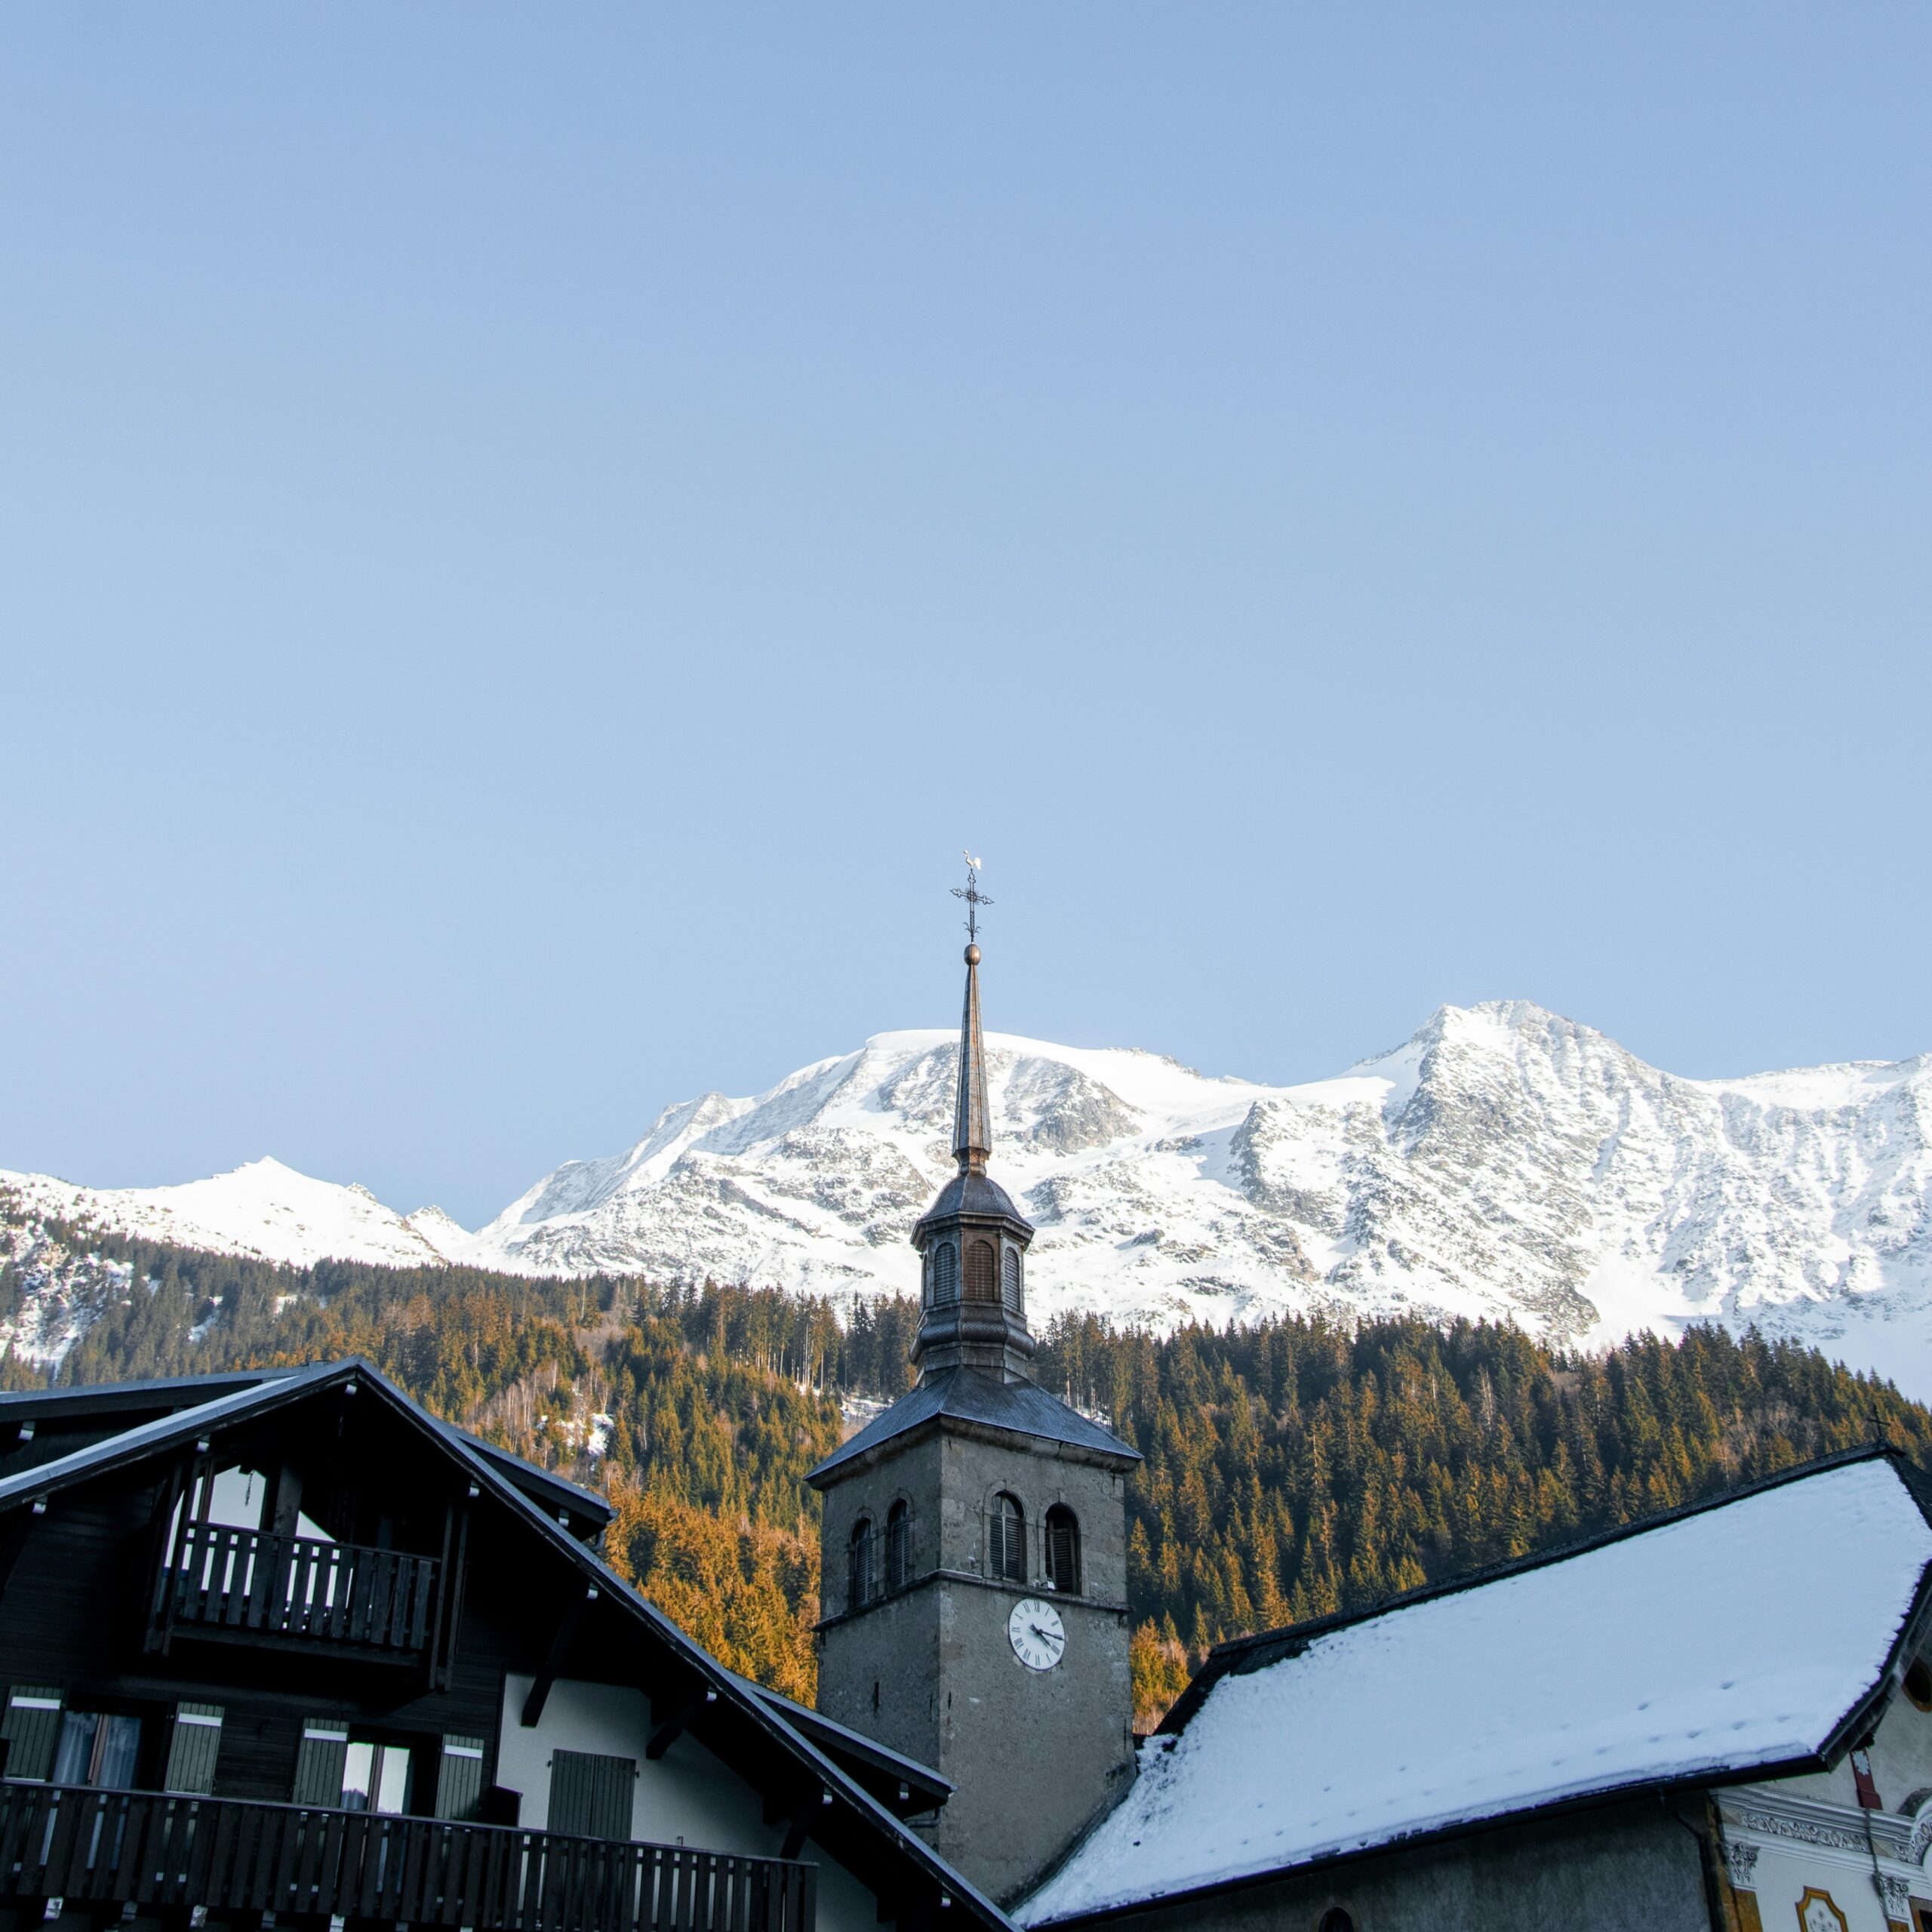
(247, 1582)
(137, 1848)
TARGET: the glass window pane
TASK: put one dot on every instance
(74, 1758)
(358, 1775)
(236, 1503)
(119, 1747)
(392, 1790)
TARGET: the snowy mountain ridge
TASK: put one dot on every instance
(1503, 1161)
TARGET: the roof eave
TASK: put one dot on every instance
(847, 1460)
(1404, 1841)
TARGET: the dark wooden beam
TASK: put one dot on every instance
(13, 1541)
(560, 1644)
(667, 1733)
(805, 1813)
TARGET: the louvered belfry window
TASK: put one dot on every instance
(1063, 1550)
(898, 1547)
(859, 1565)
(981, 1272)
(1007, 1556)
(945, 1272)
(1009, 1275)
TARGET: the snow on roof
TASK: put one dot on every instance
(1727, 1639)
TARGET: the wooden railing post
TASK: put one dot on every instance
(105, 1848)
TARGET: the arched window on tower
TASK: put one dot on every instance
(1010, 1281)
(1007, 1551)
(859, 1565)
(898, 1546)
(945, 1272)
(981, 1272)
(1063, 1550)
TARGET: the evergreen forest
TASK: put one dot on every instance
(1292, 1469)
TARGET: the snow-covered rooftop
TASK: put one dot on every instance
(1719, 1643)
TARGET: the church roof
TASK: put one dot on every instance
(972, 1194)
(966, 1395)
(1753, 1636)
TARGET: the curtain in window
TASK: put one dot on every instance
(98, 1748)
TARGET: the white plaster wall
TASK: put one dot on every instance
(1782, 1875)
(688, 1796)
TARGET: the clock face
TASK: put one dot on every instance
(1037, 1636)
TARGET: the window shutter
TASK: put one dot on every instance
(459, 1778)
(1008, 1540)
(1063, 1549)
(859, 1565)
(193, 1748)
(32, 1728)
(590, 1796)
(898, 1548)
(982, 1284)
(325, 1755)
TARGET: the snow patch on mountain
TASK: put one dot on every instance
(261, 1209)
(1504, 1162)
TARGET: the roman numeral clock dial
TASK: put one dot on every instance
(1037, 1636)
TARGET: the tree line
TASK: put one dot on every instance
(1292, 1469)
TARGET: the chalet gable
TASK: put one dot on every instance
(399, 1601)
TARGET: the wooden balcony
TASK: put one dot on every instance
(116, 1853)
(250, 1585)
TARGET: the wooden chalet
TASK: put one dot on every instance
(283, 1650)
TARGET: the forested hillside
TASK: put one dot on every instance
(1292, 1469)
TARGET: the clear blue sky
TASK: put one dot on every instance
(530, 536)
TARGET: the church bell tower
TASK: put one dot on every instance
(974, 1545)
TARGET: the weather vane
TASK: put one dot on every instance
(972, 896)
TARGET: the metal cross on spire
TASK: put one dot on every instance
(972, 896)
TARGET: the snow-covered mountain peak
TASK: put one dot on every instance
(263, 1208)
(1504, 1161)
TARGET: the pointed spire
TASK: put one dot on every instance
(972, 1126)
(972, 1241)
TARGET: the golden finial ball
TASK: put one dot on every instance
(972, 955)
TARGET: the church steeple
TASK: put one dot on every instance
(972, 1131)
(973, 1545)
(972, 1240)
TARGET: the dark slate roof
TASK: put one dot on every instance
(542, 1485)
(170, 1394)
(841, 1743)
(108, 1398)
(966, 1395)
(973, 1194)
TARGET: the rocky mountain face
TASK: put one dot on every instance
(1504, 1162)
